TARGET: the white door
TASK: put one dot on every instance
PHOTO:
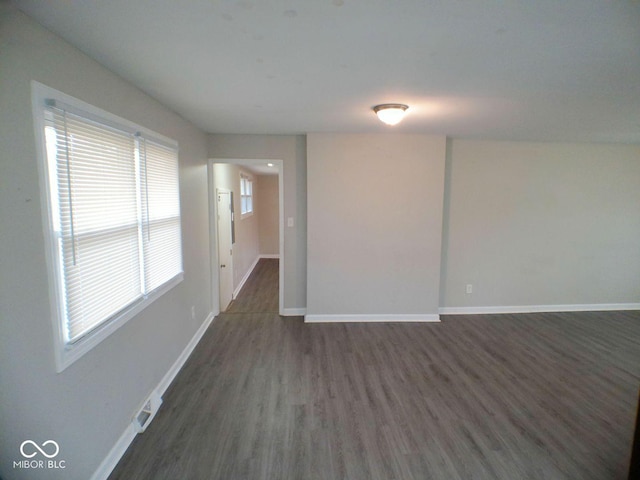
(225, 267)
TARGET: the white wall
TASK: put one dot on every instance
(267, 209)
(541, 224)
(291, 149)
(247, 243)
(86, 407)
(374, 223)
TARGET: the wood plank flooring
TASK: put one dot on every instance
(260, 292)
(535, 396)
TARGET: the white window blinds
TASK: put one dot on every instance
(161, 215)
(115, 215)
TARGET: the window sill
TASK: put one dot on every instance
(67, 354)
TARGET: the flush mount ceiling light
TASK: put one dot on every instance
(390, 113)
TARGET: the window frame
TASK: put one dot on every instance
(245, 177)
(67, 353)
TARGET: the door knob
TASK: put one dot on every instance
(222, 266)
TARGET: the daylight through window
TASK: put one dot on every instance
(246, 194)
(114, 217)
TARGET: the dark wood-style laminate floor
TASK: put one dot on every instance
(535, 396)
(260, 292)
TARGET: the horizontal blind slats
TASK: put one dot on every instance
(100, 221)
(161, 225)
(104, 278)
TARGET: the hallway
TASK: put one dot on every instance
(260, 292)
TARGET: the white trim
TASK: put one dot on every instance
(216, 220)
(293, 312)
(213, 242)
(116, 453)
(538, 308)
(39, 93)
(42, 92)
(279, 163)
(269, 255)
(427, 317)
(236, 292)
(249, 177)
(181, 360)
(66, 353)
(120, 447)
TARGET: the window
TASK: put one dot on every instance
(246, 195)
(113, 216)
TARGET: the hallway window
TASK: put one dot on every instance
(114, 220)
(246, 195)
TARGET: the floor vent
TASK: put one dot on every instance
(146, 414)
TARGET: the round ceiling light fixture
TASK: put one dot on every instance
(390, 113)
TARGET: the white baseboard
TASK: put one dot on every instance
(186, 353)
(119, 449)
(116, 453)
(371, 318)
(538, 308)
(250, 271)
(236, 292)
(294, 312)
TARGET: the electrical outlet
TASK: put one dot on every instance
(193, 312)
(469, 288)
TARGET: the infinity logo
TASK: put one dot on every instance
(35, 445)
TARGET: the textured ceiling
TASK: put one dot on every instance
(511, 70)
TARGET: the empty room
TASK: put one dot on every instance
(269, 239)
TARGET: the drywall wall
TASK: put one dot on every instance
(246, 247)
(541, 224)
(291, 149)
(267, 208)
(88, 406)
(374, 223)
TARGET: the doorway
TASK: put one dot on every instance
(225, 250)
(227, 282)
